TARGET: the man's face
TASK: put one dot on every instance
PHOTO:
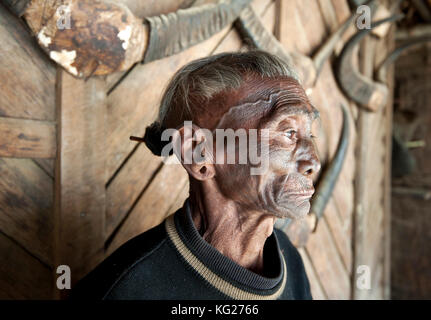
(282, 108)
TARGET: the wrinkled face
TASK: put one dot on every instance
(282, 108)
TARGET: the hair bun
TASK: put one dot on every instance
(153, 138)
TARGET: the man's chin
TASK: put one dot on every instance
(294, 212)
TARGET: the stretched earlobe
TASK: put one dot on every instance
(193, 152)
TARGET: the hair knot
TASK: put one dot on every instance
(153, 138)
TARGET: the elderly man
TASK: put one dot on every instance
(222, 244)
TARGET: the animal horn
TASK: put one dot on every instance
(103, 36)
(325, 51)
(394, 55)
(175, 32)
(356, 86)
(329, 178)
(17, 7)
(254, 33)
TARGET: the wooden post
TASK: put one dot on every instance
(79, 175)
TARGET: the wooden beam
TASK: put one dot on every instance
(27, 75)
(371, 182)
(26, 197)
(80, 173)
(22, 276)
(21, 138)
(390, 43)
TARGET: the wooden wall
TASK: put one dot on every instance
(73, 188)
(27, 150)
(411, 223)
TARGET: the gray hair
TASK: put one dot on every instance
(202, 79)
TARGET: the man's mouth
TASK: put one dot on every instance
(303, 195)
(306, 192)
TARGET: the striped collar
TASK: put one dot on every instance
(224, 274)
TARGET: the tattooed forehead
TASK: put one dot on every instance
(260, 104)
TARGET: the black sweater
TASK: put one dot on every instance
(172, 261)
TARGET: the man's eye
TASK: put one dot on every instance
(290, 134)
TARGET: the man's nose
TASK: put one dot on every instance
(308, 162)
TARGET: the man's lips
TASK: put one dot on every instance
(302, 194)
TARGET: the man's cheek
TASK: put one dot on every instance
(280, 161)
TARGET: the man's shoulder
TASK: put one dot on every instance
(100, 281)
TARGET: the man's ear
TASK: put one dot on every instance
(193, 147)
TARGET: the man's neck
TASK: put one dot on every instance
(237, 233)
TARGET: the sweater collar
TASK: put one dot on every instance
(225, 267)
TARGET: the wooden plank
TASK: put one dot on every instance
(22, 138)
(367, 51)
(291, 33)
(342, 10)
(26, 194)
(28, 77)
(47, 165)
(329, 15)
(370, 182)
(309, 10)
(80, 173)
(317, 291)
(327, 263)
(386, 268)
(153, 206)
(342, 237)
(21, 275)
(181, 198)
(128, 185)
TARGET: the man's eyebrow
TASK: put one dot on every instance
(315, 112)
(303, 109)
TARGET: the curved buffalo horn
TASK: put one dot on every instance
(255, 34)
(356, 86)
(175, 32)
(329, 178)
(325, 51)
(394, 55)
(88, 37)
